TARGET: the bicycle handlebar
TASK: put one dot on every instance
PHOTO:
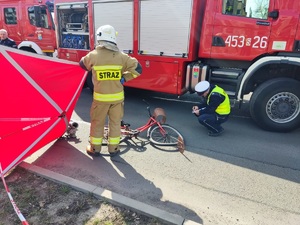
(148, 107)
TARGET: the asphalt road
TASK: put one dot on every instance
(246, 176)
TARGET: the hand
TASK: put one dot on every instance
(194, 108)
(196, 112)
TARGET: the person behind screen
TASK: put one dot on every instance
(5, 40)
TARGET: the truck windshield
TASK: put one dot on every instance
(257, 9)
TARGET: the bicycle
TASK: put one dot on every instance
(158, 133)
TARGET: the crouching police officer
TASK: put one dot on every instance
(110, 69)
(215, 110)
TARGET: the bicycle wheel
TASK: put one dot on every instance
(165, 136)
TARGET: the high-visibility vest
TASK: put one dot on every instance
(224, 107)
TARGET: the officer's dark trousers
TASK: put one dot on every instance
(213, 121)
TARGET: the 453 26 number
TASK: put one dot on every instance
(241, 41)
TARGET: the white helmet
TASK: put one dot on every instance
(107, 33)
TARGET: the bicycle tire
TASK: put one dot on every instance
(170, 139)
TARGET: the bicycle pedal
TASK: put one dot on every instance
(134, 131)
(123, 124)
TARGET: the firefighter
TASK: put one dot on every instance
(215, 108)
(4, 40)
(110, 69)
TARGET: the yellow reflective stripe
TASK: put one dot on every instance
(107, 67)
(109, 97)
(96, 141)
(113, 140)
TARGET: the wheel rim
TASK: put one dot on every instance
(168, 138)
(283, 107)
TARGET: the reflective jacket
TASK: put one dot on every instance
(108, 67)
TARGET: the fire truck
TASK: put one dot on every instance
(30, 24)
(247, 47)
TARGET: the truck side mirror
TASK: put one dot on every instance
(274, 14)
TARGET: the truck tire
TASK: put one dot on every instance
(89, 82)
(275, 105)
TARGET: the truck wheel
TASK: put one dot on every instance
(89, 82)
(275, 105)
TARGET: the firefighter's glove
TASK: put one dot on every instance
(122, 80)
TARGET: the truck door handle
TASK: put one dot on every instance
(218, 41)
(274, 14)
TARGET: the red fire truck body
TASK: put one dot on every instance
(30, 24)
(244, 46)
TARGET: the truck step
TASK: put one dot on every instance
(228, 79)
(226, 73)
(230, 93)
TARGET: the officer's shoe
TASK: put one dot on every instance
(215, 134)
(90, 151)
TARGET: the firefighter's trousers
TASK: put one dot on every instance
(98, 113)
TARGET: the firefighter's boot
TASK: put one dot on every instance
(113, 150)
(93, 150)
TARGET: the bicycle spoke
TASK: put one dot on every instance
(164, 135)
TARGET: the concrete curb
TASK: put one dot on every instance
(109, 196)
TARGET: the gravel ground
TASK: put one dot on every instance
(44, 202)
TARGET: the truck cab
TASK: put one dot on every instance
(30, 24)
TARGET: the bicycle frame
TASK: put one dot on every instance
(156, 120)
(135, 132)
(158, 132)
(128, 132)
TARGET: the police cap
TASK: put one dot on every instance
(202, 87)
